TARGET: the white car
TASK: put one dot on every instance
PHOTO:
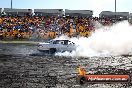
(53, 46)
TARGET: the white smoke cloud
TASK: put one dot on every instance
(115, 40)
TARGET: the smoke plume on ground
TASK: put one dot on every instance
(113, 40)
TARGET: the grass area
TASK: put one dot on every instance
(18, 41)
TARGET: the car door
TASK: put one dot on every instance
(67, 45)
(62, 46)
(59, 45)
(70, 46)
(56, 44)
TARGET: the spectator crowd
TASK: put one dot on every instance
(45, 27)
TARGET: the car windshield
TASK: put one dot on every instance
(49, 41)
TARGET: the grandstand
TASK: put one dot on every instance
(130, 18)
(48, 12)
(60, 12)
(45, 23)
(113, 15)
(0, 11)
(79, 13)
(20, 12)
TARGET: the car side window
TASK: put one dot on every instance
(65, 42)
(62, 42)
(69, 42)
(56, 42)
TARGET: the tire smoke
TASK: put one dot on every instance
(106, 41)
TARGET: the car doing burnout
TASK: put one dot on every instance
(57, 46)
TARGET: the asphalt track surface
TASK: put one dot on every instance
(22, 66)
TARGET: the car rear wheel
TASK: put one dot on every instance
(52, 50)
